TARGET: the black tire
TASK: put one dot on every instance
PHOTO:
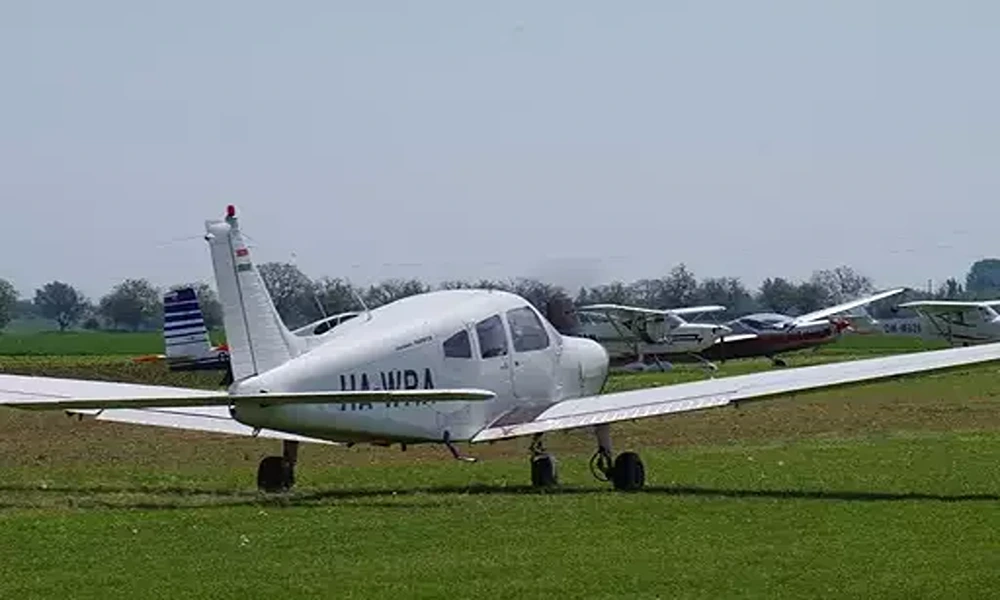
(543, 471)
(628, 473)
(275, 474)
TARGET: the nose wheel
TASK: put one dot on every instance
(543, 465)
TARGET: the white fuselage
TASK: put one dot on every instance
(448, 339)
(963, 326)
(648, 336)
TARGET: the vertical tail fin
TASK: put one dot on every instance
(257, 338)
(185, 336)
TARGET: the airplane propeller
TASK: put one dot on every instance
(561, 312)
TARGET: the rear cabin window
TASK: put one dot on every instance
(492, 339)
(458, 346)
(527, 330)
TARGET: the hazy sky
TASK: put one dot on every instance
(577, 140)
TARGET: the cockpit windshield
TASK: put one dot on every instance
(765, 321)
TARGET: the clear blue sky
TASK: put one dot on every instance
(583, 141)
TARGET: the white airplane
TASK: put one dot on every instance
(630, 333)
(440, 367)
(958, 322)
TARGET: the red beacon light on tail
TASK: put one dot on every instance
(230, 211)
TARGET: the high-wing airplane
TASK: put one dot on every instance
(959, 322)
(771, 334)
(439, 367)
(630, 333)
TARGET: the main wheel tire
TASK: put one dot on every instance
(543, 471)
(629, 473)
(275, 474)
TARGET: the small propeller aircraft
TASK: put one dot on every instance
(186, 341)
(630, 333)
(958, 322)
(439, 367)
(771, 334)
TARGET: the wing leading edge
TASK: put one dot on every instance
(699, 395)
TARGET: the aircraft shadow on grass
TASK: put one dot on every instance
(193, 497)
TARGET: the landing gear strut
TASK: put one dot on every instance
(277, 473)
(543, 465)
(778, 362)
(626, 472)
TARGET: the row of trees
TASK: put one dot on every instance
(136, 304)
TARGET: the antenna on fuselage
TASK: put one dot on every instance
(361, 301)
(315, 295)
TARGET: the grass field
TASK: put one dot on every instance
(884, 490)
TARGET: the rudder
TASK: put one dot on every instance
(257, 338)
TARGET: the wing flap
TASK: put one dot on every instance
(215, 421)
(698, 395)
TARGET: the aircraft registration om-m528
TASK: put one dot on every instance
(440, 367)
(959, 322)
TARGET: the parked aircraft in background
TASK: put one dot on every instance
(187, 346)
(762, 334)
(439, 367)
(770, 334)
(958, 322)
(630, 333)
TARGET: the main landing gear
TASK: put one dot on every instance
(626, 472)
(277, 473)
(778, 362)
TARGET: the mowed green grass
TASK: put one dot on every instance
(883, 490)
(89, 343)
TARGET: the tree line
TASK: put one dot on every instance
(136, 304)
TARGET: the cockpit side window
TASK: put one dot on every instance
(527, 330)
(492, 338)
(458, 345)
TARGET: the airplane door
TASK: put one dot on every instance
(534, 355)
(494, 355)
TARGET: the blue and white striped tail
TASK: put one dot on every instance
(184, 333)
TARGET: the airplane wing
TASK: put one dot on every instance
(654, 311)
(699, 395)
(213, 419)
(839, 308)
(48, 393)
(941, 306)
